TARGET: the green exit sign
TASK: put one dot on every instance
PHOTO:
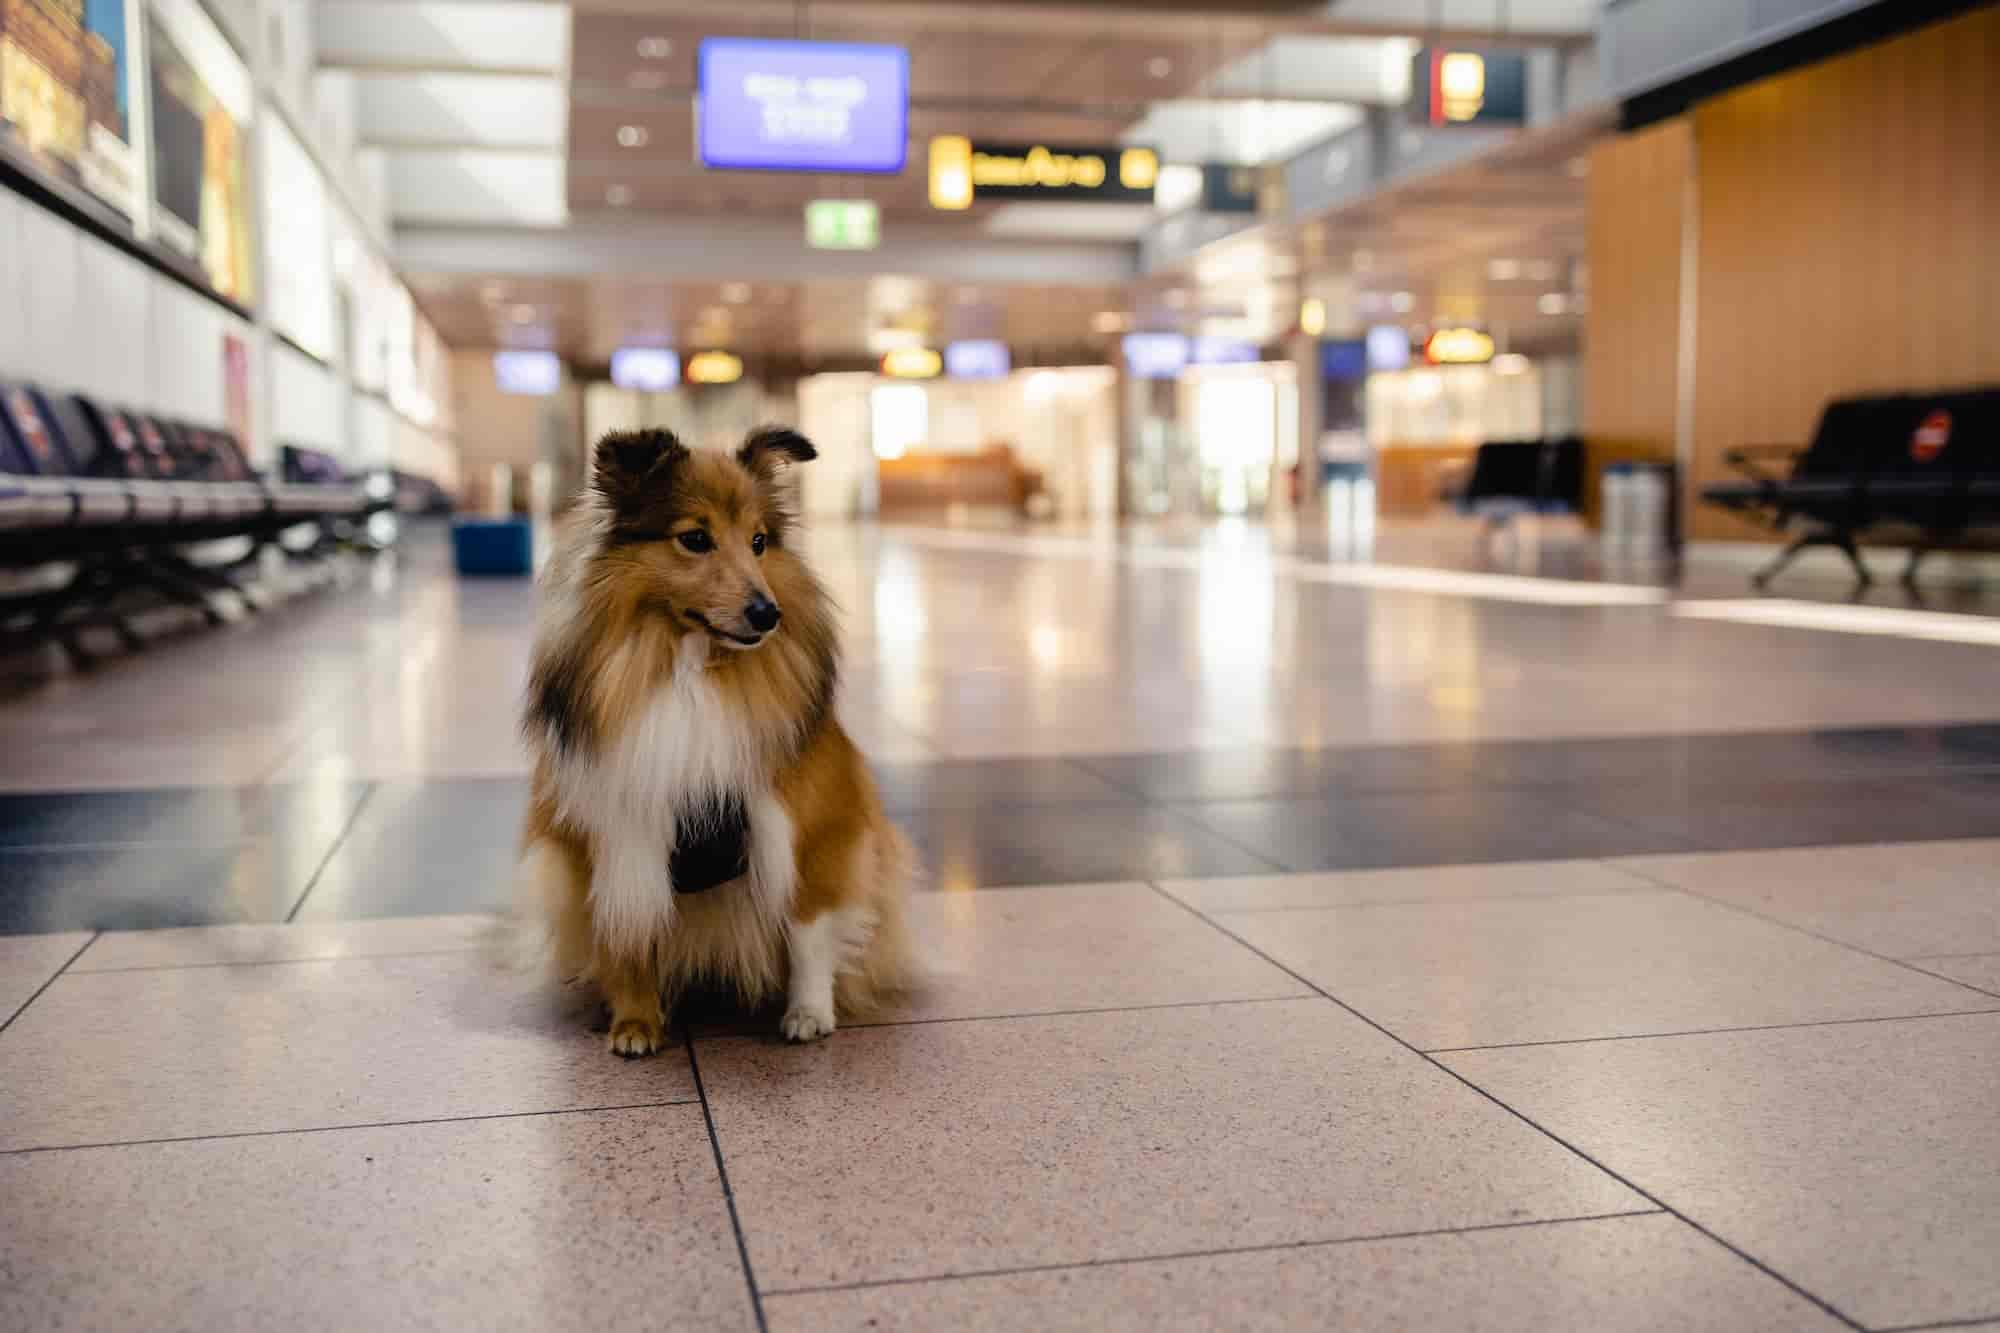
(843, 224)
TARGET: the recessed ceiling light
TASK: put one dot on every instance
(736, 293)
(655, 48)
(646, 80)
(1109, 321)
(1552, 303)
(1402, 302)
(1503, 270)
(632, 136)
(1159, 67)
(618, 195)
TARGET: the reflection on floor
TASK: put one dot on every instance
(1311, 949)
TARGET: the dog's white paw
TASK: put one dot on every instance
(806, 1023)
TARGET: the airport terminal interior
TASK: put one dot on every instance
(1421, 577)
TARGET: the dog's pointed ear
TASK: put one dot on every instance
(767, 445)
(635, 465)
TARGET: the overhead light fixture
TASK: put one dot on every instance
(951, 172)
(618, 195)
(1312, 317)
(1510, 363)
(1402, 302)
(735, 293)
(1552, 303)
(912, 363)
(978, 359)
(655, 48)
(646, 369)
(1459, 347)
(633, 136)
(1503, 270)
(714, 368)
(1159, 67)
(533, 373)
(1110, 321)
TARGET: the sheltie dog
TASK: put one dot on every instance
(698, 817)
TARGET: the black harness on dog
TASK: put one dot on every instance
(714, 846)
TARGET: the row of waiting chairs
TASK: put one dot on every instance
(122, 499)
(78, 475)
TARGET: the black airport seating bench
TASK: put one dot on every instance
(122, 497)
(1924, 468)
(1514, 477)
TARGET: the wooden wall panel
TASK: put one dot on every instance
(1849, 241)
(1638, 184)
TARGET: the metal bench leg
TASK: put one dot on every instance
(1785, 557)
(1847, 547)
(1917, 554)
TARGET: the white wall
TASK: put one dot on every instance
(85, 317)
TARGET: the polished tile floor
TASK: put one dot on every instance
(1314, 945)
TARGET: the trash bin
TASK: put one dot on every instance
(1638, 510)
(493, 546)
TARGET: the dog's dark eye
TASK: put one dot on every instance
(697, 541)
(757, 544)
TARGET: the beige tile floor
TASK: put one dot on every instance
(1728, 1090)
(1106, 1109)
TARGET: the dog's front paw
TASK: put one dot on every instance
(634, 1037)
(806, 1023)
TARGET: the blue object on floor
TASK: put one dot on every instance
(503, 546)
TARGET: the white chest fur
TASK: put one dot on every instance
(685, 748)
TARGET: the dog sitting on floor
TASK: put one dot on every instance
(699, 817)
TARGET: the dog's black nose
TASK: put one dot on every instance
(762, 613)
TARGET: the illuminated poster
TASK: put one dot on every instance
(64, 97)
(199, 180)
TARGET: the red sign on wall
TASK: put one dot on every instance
(1931, 437)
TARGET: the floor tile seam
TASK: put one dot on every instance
(1528, 786)
(51, 980)
(728, 1191)
(1622, 1179)
(1228, 841)
(1634, 891)
(1176, 1256)
(37, 1149)
(1795, 928)
(1710, 1032)
(340, 840)
(1025, 1014)
(1970, 1321)
(275, 962)
(1949, 957)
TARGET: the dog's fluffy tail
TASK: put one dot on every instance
(886, 968)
